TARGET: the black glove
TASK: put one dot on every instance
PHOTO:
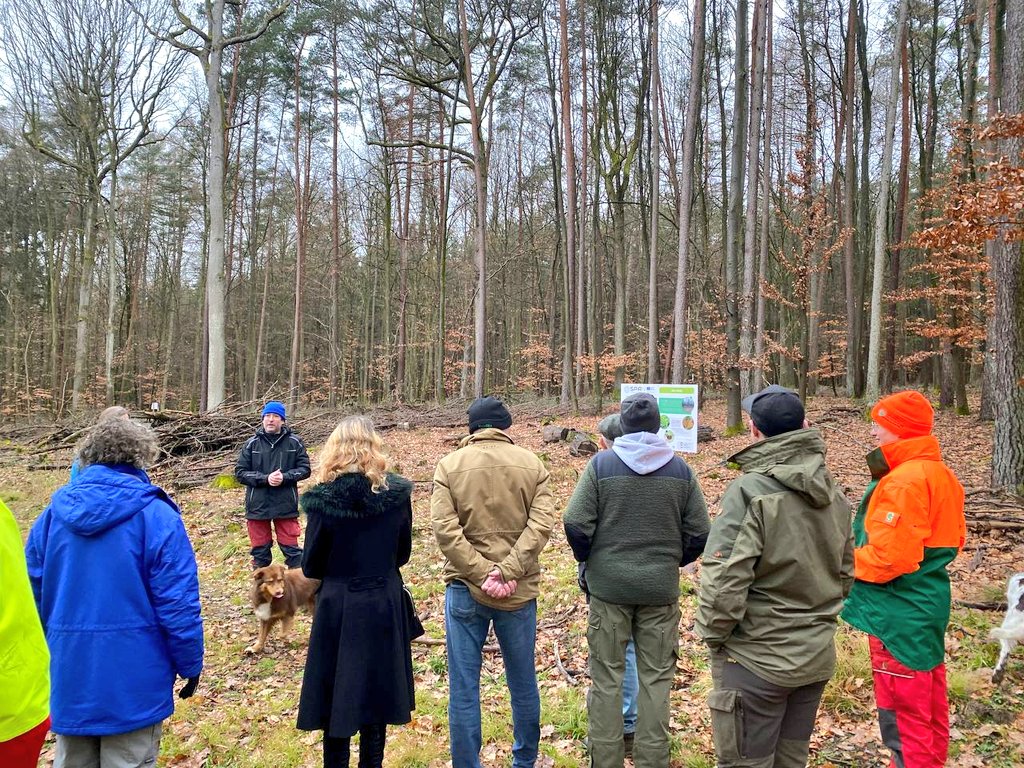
(581, 578)
(189, 688)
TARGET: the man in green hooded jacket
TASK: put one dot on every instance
(777, 566)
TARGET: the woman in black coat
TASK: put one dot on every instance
(358, 674)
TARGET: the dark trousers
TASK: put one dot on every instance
(371, 748)
(757, 724)
(287, 530)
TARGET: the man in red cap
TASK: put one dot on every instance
(908, 528)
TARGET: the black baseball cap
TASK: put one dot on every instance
(775, 410)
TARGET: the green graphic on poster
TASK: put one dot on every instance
(678, 406)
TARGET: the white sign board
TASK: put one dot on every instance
(678, 406)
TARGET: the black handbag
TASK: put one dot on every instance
(412, 619)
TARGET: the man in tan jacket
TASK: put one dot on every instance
(492, 514)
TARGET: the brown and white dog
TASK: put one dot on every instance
(277, 593)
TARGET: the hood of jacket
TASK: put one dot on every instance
(350, 495)
(643, 452)
(794, 459)
(103, 496)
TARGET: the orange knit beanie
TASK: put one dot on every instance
(905, 414)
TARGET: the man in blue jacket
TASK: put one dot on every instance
(115, 580)
(270, 466)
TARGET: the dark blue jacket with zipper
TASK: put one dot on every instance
(260, 456)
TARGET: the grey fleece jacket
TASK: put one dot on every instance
(636, 516)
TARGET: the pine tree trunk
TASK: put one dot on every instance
(1008, 277)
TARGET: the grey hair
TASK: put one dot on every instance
(119, 441)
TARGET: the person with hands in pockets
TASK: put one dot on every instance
(492, 514)
(271, 464)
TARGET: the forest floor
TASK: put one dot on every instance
(244, 712)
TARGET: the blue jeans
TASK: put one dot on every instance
(465, 624)
(630, 688)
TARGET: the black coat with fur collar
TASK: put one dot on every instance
(359, 667)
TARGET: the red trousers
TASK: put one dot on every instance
(23, 751)
(913, 710)
(287, 529)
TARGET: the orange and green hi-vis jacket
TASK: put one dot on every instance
(908, 528)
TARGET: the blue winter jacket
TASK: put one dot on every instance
(115, 580)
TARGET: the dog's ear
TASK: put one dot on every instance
(258, 574)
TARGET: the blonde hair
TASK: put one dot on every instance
(354, 446)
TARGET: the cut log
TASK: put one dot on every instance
(553, 433)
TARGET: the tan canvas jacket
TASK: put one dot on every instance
(491, 507)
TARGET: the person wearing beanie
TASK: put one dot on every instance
(907, 530)
(492, 514)
(636, 516)
(609, 429)
(270, 466)
(777, 565)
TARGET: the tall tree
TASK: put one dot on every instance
(208, 43)
(684, 202)
(655, 132)
(871, 391)
(760, 25)
(1008, 278)
(734, 217)
(89, 84)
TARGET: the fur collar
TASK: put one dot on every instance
(349, 495)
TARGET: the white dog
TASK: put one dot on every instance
(1012, 630)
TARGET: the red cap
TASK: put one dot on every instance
(905, 414)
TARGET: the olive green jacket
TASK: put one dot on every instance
(491, 507)
(778, 562)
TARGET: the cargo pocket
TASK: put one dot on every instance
(727, 723)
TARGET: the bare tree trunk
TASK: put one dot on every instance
(900, 222)
(1008, 278)
(849, 186)
(300, 236)
(84, 299)
(693, 106)
(403, 258)
(655, 128)
(332, 320)
(766, 180)
(882, 217)
(571, 332)
(997, 37)
(760, 25)
(733, 234)
(215, 282)
(108, 358)
(480, 232)
(581, 221)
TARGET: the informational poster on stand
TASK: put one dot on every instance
(678, 406)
